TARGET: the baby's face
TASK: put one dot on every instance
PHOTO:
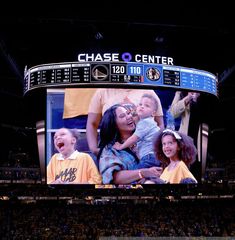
(145, 108)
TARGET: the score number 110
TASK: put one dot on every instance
(135, 70)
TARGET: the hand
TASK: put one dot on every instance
(152, 172)
(192, 96)
(117, 146)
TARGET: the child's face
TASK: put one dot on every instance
(146, 108)
(170, 147)
(64, 141)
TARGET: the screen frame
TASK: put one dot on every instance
(202, 139)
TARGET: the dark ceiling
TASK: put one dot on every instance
(195, 36)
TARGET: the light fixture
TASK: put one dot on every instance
(159, 39)
(98, 36)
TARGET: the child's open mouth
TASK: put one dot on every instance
(60, 145)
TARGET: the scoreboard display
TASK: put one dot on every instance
(119, 73)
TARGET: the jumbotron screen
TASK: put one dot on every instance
(96, 132)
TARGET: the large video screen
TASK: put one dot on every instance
(114, 137)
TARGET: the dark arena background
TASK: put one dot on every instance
(194, 37)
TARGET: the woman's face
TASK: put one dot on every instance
(170, 147)
(124, 120)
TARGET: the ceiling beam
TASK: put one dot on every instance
(11, 62)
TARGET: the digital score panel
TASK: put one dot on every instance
(171, 77)
(80, 73)
(118, 73)
(133, 73)
(50, 74)
(198, 80)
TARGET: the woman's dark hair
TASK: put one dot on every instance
(109, 132)
(187, 152)
(183, 94)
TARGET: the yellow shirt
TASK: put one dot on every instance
(175, 175)
(76, 101)
(78, 168)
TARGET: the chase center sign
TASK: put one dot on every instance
(124, 57)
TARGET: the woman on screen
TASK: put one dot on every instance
(183, 105)
(104, 98)
(69, 166)
(177, 152)
(120, 166)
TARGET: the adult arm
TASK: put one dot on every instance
(160, 121)
(128, 143)
(179, 106)
(93, 121)
(126, 176)
(129, 176)
(159, 114)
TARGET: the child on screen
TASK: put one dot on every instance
(177, 152)
(69, 166)
(146, 128)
